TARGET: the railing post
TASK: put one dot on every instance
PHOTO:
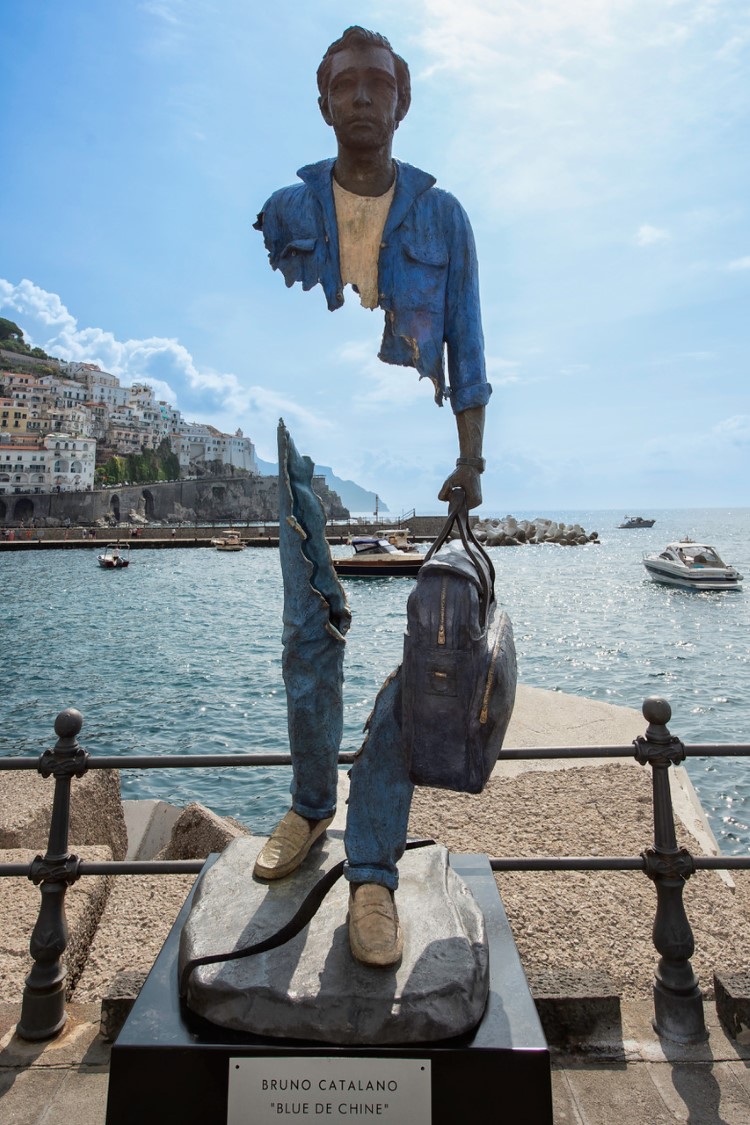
(43, 1011)
(678, 1005)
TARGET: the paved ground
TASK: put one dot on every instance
(628, 1078)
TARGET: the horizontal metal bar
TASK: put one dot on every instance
(211, 761)
(144, 867)
(519, 755)
(172, 761)
(696, 750)
(120, 867)
(196, 761)
(505, 863)
(610, 863)
(718, 750)
(722, 862)
(568, 863)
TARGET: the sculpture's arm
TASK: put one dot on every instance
(464, 340)
(466, 475)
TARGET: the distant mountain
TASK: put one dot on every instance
(353, 496)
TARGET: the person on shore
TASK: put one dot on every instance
(405, 246)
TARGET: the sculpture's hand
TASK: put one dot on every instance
(463, 476)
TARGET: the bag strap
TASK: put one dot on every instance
(305, 913)
(458, 516)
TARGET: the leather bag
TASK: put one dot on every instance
(459, 670)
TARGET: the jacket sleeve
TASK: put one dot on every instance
(295, 255)
(464, 338)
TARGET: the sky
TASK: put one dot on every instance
(600, 147)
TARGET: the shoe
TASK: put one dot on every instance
(375, 935)
(288, 845)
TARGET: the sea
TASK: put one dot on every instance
(181, 653)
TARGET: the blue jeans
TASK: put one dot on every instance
(316, 620)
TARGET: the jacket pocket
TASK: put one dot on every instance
(298, 262)
(425, 275)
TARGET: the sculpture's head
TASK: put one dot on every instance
(365, 88)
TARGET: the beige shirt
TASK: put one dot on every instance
(361, 219)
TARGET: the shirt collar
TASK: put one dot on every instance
(411, 182)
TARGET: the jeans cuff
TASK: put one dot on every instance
(362, 874)
(312, 813)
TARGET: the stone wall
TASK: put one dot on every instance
(221, 499)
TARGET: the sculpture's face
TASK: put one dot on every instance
(362, 97)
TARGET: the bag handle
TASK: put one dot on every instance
(458, 515)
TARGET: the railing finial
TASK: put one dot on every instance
(657, 713)
(68, 723)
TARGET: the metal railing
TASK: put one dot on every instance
(678, 1007)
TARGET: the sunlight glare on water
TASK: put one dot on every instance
(182, 654)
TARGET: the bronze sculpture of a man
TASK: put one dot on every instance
(406, 247)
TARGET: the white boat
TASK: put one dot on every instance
(692, 566)
(113, 558)
(229, 542)
(400, 538)
(377, 558)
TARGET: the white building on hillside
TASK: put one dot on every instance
(201, 445)
(70, 462)
(23, 468)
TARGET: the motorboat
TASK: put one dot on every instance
(113, 558)
(692, 566)
(229, 542)
(375, 557)
(635, 521)
(400, 538)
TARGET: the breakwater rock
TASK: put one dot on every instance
(510, 532)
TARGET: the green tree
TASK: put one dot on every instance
(9, 330)
(141, 468)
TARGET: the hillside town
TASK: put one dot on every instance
(62, 423)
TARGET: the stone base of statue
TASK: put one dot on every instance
(312, 987)
(170, 1064)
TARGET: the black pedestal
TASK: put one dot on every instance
(170, 1065)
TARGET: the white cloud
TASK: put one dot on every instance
(717, 449)
(164, 363)
(575, 369)
(647, 235)
(735, 430)
(555, 92)
(161, 10)
(502, 372)
(379, 385)
(739, 263)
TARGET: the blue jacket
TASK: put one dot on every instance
(427, 273)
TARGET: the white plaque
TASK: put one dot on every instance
(263, 1091)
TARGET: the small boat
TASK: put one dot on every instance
(635, 521)
(229, 542)
(377, 558)
(692, 566)
(400, 538)
(113, 558)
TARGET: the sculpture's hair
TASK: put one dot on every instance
(355, 37)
